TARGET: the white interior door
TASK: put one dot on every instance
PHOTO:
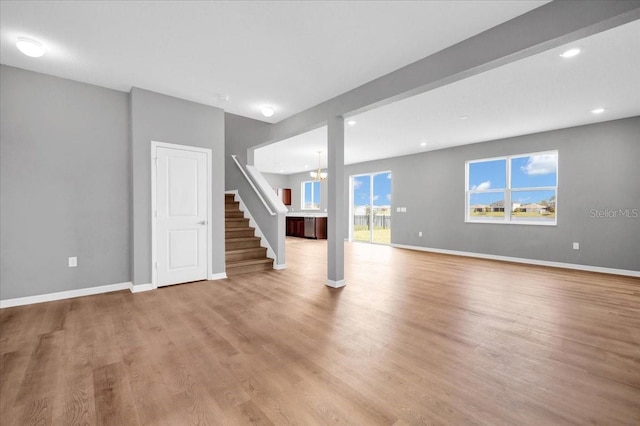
(181, 215)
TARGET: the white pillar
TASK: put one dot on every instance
(335, 202)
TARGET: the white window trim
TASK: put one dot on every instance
(303, 193)
(506, 220)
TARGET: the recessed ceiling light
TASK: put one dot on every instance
(463, 117)
(306, 166)
(423, 144)
(351, 122)
(597, 111)
(30, 47)
(281, 171)
(267, 111)
(570, 53)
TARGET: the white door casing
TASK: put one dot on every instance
(181, 213)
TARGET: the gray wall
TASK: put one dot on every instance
(161, 118)
(276, 180)
(64, 184)
(76, 180)
(597, 170)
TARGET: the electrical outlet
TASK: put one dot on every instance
(576, 246)
(73, 262)
(420, 234)
(398, 209)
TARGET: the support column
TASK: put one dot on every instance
(335, 202)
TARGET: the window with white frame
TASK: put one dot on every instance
(513, 189)
(310, 195)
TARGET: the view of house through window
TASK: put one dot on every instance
(514, 189)
(310, 195)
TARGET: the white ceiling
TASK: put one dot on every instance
(542, 92)
(292, 55)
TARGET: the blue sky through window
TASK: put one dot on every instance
(488, 175)
(361, 191)
(311, 195)
(486, 198)
(381, 190)
(534, 171)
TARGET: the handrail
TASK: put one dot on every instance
(266, 189)
(266, 206)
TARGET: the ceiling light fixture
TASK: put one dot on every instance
(318, 175)
(570, 53)
(423, 144)
(30, 47)
(267, 111)
(351, 122)
(463, 117)
(597, 111)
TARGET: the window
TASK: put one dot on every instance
(513, 189)
(310, 195)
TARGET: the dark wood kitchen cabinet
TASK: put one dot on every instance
(307, 227)
(295, 226)
(285, 195)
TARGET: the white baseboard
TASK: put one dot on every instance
(50, 297)
(219, 276)
(336, 284)
(587, 268)
(279, 267)
(139, 288)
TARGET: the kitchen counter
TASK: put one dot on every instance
(306, 214)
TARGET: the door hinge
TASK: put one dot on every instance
(156, 265)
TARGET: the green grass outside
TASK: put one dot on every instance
(380, 236)
(514, 214)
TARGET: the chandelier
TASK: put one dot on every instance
(318, 175)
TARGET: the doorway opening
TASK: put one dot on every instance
(370, 196)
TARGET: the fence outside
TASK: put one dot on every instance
(379, 222)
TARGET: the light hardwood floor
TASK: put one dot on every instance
(414, 338)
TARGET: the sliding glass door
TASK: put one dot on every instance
(371, 208)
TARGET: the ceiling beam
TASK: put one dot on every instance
(551, 25)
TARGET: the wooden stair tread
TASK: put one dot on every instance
(247, 250)
(238, 239)
(247, 262)
(243, 252)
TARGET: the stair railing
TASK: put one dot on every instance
(258, 193)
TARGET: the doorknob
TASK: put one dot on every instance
(202, 222)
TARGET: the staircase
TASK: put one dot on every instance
(243, 252)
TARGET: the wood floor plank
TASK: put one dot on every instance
(414, 338)
(113, 397)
